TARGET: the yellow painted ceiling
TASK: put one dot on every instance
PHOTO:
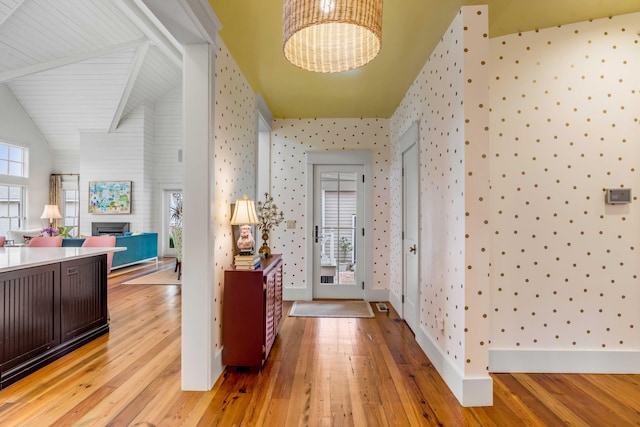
(252, 30)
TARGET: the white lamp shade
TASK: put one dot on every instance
(244, 212)
(51, 212)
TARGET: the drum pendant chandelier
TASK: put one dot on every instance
(329, 36)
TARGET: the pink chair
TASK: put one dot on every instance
(44, 241)
(2, 240)
(101, 242)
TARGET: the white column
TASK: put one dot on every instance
(199, 371)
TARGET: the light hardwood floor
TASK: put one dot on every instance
(322, 372)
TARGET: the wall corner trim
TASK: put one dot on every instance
(470, 390)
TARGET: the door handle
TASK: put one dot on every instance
(316, 236)
(413, 249)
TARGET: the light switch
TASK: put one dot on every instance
(291, 223)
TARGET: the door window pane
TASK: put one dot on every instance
(339, 209)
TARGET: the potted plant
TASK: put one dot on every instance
(64, 231)
(176, 234)
(345, 246)
(176, 211)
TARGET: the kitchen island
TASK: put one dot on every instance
(52, 301)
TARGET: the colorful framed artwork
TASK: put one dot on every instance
(110, 197)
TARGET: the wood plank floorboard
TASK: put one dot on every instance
(321, 372)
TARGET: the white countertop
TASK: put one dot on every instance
(14, 258)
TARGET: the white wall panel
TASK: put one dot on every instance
(564, 126)
(117, 156)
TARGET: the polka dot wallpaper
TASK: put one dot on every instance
(565, 108)
(290, 140)
(234, 164)
(449, 98)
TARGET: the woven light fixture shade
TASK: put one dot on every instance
(329, 36)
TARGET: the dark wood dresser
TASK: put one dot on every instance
(251, 313)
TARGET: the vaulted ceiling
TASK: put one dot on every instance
(83, 64)
(86, 64)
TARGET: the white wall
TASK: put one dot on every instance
(66, 161)
(118, 156)
(561, 265)
(450, 99)
(17, 128)
(565, 280)
(291, 139)
(150, 196)
(234, 163)
(168, 169)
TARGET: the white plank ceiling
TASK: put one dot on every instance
(83, 64)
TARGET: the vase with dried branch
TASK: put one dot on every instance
(268, 218)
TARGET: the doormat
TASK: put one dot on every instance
(162, 277)
(331, 309)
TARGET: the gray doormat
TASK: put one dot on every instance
(331, 309)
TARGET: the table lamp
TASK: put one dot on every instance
(244, 214)
(50, 212)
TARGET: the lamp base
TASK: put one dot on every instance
(265, 250)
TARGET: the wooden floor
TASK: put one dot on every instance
(322, 372)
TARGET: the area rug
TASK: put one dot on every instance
(331, 309)
(162, 277)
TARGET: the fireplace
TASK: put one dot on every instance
(110, 228)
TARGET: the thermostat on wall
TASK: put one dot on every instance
(617, 196)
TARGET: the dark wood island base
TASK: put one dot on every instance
(48, 311)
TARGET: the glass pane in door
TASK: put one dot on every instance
(175, 215)
(337, 233)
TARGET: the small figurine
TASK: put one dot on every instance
(246, 241)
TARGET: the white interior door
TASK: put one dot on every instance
(338, 232)
(410, 207)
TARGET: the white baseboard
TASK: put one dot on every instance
(295, 294)
(217, 367)
(302, 294)
(565, 361)
(395, 302)
(377, 295)
(470, 391)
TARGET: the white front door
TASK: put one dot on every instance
(338, 232)
(410, 206)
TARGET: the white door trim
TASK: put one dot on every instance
(341, 157)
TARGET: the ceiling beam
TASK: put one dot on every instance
(8, 15)
(151, 27)
(136, 66)
(61, 62)
(188, 21)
